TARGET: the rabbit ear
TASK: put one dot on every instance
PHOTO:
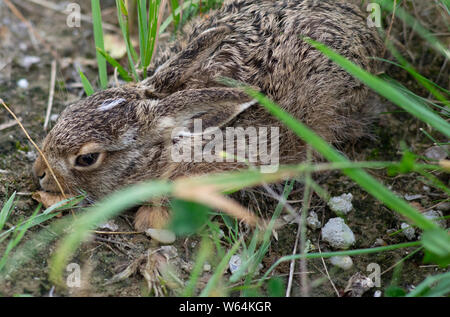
(173, 73)
(215, 107)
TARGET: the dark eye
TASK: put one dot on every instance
(86, 160)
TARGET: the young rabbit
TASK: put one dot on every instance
(124, 135)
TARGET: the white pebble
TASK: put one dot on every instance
(433, 214)
(377, 293)
(343, 262)
(161, 235)
(110, 225)
(309, 246)
(338, 234)
(379, 243)
(444, 206)
(235, 263)
(27, 61)
(31, 156)
(436, 153)
(207, 267)
(412, 197)
(408, 231)
(23, 83)
(341, 204)
(54, 117)
(313, 221)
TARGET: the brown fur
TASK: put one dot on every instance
(256, 42)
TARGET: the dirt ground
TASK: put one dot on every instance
(107, 255)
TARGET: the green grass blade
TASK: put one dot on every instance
(153, 26)
(215, 278)
(421, 76)
(415, 108)
(131, 53)
(266, 238)
(425, 101)
(6, 210)
(98, 38)
(122, 72)
(203, 254)
(143, 30)
(86, 84)
(427, 284)
(19, 233)
(175, 16)
(47, 214)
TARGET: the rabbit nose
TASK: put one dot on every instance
(42, 180)
(39, 171)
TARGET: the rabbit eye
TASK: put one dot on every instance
(86, 160)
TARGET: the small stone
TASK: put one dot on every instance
(312, 221)
(379, 243)
(390, 231)
(408, 231)
(444, 206)
(23, 83)
(110, 225)
(412, 197)
(54, 117)
(338, 234)
(27, 61)
(341, 204)
(187, 266)
(31, 156)
(410, 287)
(358, 285)
(207, 267)
(169, 251)
(436, 153)
(433, 215)
(377, 293)
(161, 235)
(309, 246)
(235, 263)
(343, 262)
(426, 188)
(259, 268)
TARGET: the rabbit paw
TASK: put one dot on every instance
(156, 217)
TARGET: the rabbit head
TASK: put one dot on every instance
(122, 136)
